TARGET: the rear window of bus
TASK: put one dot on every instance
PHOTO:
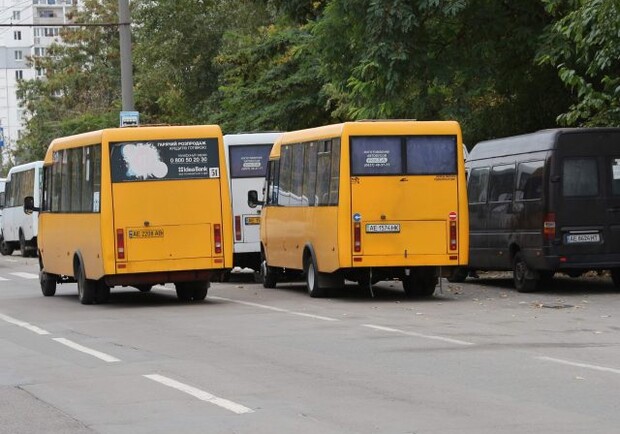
(164, 160)
(403, 155)
(249, 161)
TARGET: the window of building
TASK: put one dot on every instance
(17, 35)
(46, 13)
(19, 55)
(51, 31)
(17, 15)
(19, 74)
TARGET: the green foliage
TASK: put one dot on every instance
(583, 45)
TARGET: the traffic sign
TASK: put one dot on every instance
(130, 119)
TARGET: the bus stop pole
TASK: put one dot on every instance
(124, 30)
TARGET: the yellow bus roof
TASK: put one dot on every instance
(378, 127)
(132, 133)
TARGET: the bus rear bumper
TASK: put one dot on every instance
(131, 279)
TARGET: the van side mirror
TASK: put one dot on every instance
(253, 201)
(29, 207)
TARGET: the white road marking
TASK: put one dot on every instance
(25, 275)
(276, 309)
(580, 365)
(418, 335)
(103, 356)
(4, 279)
(200, 394)
(11, 260)
(24, 324)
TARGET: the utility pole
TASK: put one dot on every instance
(124, 29)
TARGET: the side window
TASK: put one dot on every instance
(323, 172)
(530, 180)
(501, 183)
(334, 183)
(297, 174)
(615, 176)
(284, 192)
(310, 159)
(75, 157)
(579, 177)
(56, 181)
(65, 191)
(477, 185)
(47, 188)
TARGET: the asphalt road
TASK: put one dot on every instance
(477, 357)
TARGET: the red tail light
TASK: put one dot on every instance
(120, 244)
(357, 237)
(238, 228)
(549, 226)
(217, 237)
(453, 243)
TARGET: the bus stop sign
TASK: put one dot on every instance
(130, 119)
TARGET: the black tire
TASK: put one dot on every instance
(6, 249)
(144, 288)
(615, 277)
(458, 275)
(523, 275)
(421, 282)
(192, 291)
(48, 283)
(23, 248)
(103, 292)
(225, 276)
(200, 290)
(312, 279)
(270, 277)
(87, 288)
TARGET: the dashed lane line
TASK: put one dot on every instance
(24, 324)
(418, 335)
(579, 365)
(25, 275)
(275, 309)
(200, 394)
(98, 354)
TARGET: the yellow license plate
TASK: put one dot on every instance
(252, 220)
(146, 233)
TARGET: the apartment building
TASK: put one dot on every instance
(27, 28)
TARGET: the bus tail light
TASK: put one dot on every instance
(549, 226)
(238, 228)
(357, 237)
(217, 237)
(120, 244)
(453, 243)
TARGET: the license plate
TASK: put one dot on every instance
(252, 220)
(146, 233)
(583, 238)
(382, 228)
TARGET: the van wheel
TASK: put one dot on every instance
(421, 282)
(458, 275)
(312, 279)
(270, 278)
(23, 249)
(87, 289)
(6, 249)
(615, 277)
(48, 283)
(522, 275)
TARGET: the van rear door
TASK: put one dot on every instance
(404, 192)
(588, 205)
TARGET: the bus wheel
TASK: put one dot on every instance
(5, 248)
(525, 279)
(48, 283)
(103, 292)
(421, 282)
(458, 275)
(144, 288)
(270, 278)
(87, 289)
(312, 279)
(192, 291)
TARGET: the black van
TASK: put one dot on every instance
(545, 202)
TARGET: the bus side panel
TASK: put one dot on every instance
(64, 234)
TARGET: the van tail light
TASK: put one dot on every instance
(237, 228)
(549, 226)
(357, 237)
(120, 244)
(453, 243)
(217, 236)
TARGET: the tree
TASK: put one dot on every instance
(81, 89)
(583, 45)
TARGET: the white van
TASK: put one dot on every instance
(19, 230)
(247, 156)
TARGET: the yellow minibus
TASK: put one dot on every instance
(365, 201)
(135, 207)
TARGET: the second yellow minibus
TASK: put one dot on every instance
(365, 201)
(135, 207)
